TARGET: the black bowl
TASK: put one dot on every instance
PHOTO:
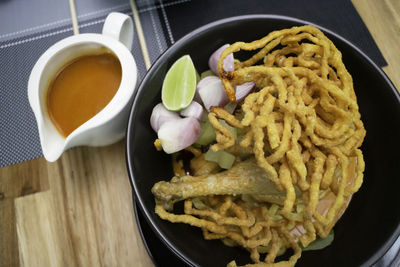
(371, 223)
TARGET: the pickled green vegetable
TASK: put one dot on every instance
(224, 159)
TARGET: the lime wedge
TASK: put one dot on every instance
(179, 84)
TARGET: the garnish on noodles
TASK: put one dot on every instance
(294, 139)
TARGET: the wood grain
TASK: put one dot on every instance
(78, 211)
(383, 21)
(17, 181)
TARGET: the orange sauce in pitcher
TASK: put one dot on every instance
(81, 89)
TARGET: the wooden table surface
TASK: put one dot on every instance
(78, 211)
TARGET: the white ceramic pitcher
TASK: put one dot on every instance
(107, 126)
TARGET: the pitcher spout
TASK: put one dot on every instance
(53, 144)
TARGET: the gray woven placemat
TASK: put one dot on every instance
(20, 48)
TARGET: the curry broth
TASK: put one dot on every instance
(81, 89)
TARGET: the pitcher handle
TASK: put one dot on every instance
(119, 26)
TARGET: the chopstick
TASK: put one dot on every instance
(139, 30)
(138, 24)
(74, 17)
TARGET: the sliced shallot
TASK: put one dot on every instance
(194, 110)
(176, 135)
(243, 90)
(212, 92)
(229, 63)
(160, 115)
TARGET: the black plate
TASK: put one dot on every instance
(158, 252)
(162, 256)
(371, 223)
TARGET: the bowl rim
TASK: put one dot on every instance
(129, 159)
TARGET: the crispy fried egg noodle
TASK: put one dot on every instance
(297, 158)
